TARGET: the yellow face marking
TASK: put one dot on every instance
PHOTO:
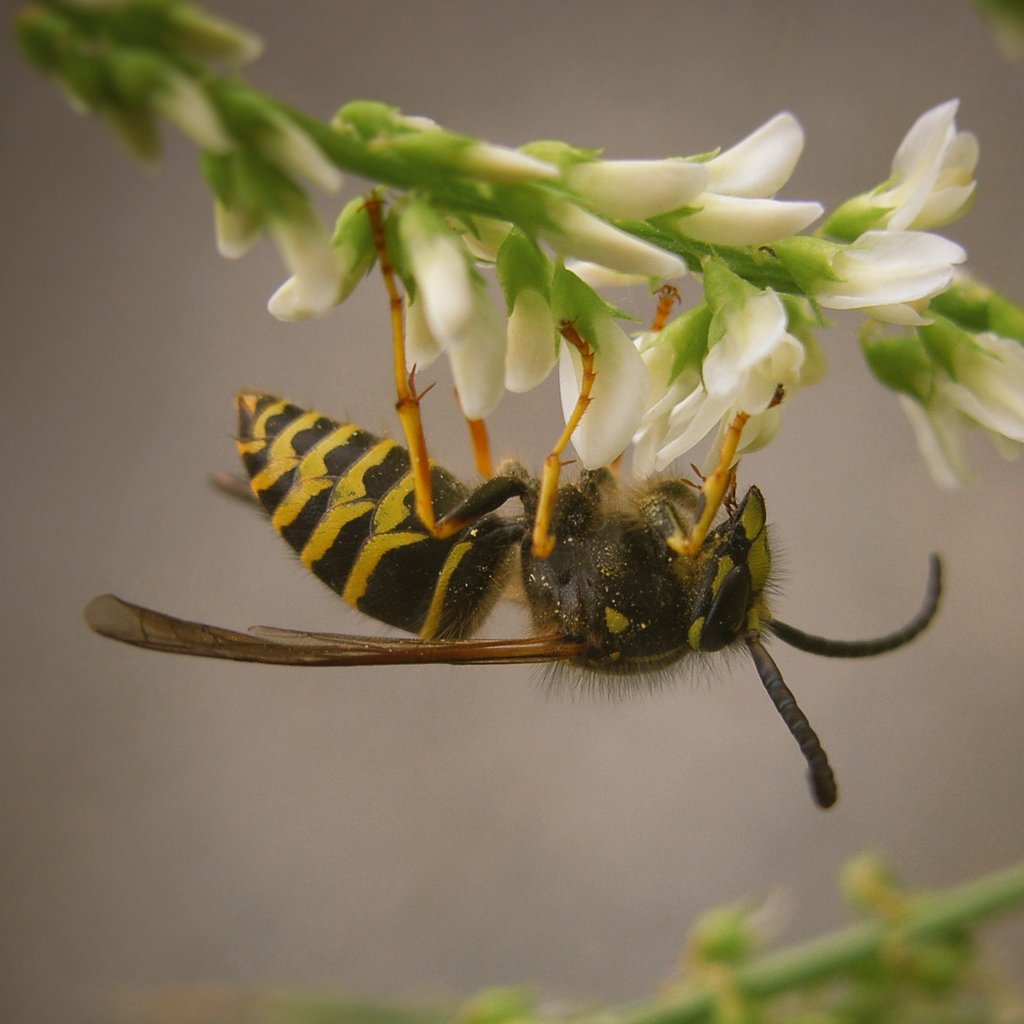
(392, 510)
(722, 569)
(369, 558)
(326, 531)
(615, 621)
(432, 622)
(351, 484)
(693, 637)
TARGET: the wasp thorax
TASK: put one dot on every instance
(614, 583)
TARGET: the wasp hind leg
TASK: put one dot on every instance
(513, 482)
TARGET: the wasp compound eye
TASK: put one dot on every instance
(728, 613)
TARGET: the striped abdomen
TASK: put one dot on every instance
(343, 499)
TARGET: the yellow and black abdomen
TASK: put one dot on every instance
(343, 499)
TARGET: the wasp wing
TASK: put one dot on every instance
(132, 624)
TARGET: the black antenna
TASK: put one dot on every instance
(865, 648)
(823, 782)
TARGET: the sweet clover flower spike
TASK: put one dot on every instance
(885, 274)
(750, 356)
(737, 207)
(453, 311)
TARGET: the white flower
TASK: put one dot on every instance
(354, 255)
(307, 251)
(759, 165)
(292, 149)
(939, 429)
(932, 173)
(882, 272)
(456, 310)
(737, 207)
(637, 189)
(532, 341)
(620, 394)
(988, 391)
(742, 372)
(736, 220)
(185, 104)
(236, 230)
(600, 277)
(579, 233)
(503, 166)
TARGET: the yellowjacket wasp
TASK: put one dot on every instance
(616, 596)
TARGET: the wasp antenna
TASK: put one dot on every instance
(865, 648)
(823, 782)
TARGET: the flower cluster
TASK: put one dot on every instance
(553, 223)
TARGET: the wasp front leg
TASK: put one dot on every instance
(714, 489)
(543, 539)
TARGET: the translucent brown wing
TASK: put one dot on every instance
(132, 624)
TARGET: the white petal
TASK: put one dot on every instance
(926, 141)
(940, 442)
(532, 342)
(600, 277)
(691, 421)
(486, 238)
(444, 285)
(887, 267)
(760, 164)
(637, 189)
(295, 151)
(236, 230)
(901, 313)
(421, 347)
(619, 397)
(728, 220)
(505, 166)
(478, 361)
(186, 105)
(307, 250)
(583, 235)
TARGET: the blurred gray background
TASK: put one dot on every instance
(427, 832)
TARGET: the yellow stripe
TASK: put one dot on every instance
(311, 464)
(297, 499)
(351, 484)
(369, 558)
(259, 426)
(433, 620)
(327, 530)
(392, 510)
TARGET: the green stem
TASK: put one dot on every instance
(930, 916)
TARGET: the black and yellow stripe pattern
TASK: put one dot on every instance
(343, 499)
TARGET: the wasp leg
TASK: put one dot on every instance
(543, 540)
(668, 296)
(514, 482)
(481, 444)
(713, 490)
(408, 403)
(662, 505)
(236, 487)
